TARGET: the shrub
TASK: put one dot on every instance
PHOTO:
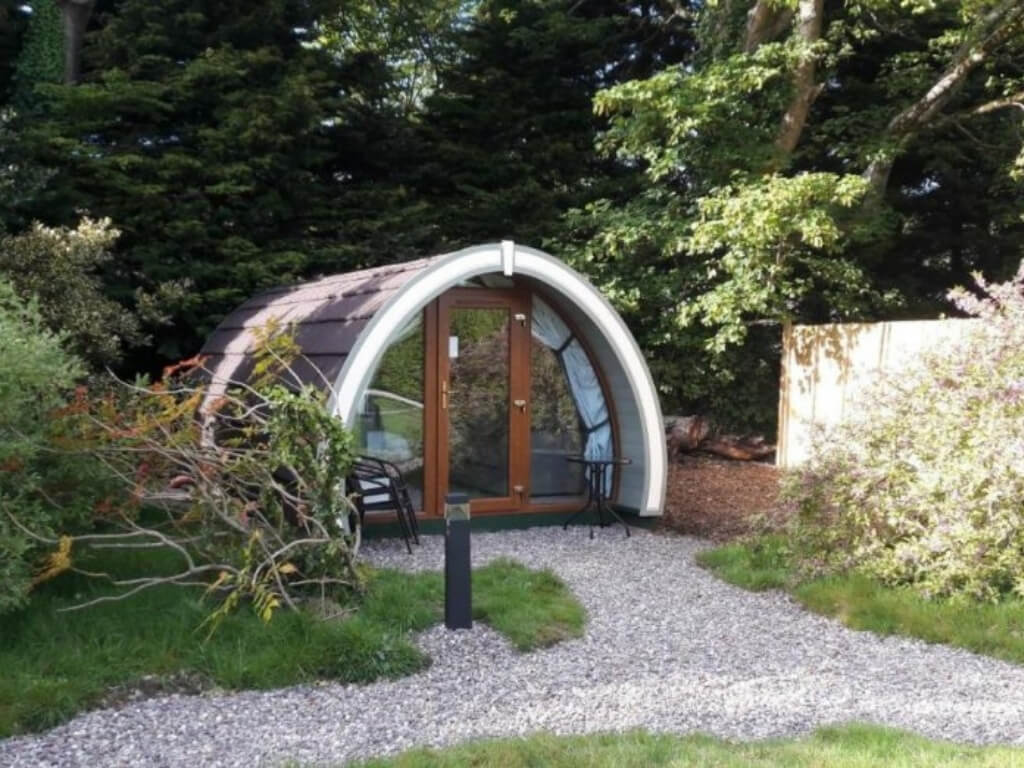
(926, 486)
(35, 481)
(240, 483)
(62, 269)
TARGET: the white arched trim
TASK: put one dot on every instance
(457, 267)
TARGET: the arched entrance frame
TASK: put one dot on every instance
(565, 283)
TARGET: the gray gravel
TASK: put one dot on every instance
(668, 647)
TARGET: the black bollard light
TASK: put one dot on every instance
(458, 602)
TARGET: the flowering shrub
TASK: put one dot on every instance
(926, 486)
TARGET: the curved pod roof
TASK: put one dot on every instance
(346, 322)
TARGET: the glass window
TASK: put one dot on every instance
(568, 412)
(390, 422)
(478, 363)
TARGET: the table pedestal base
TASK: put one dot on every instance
(597, 499)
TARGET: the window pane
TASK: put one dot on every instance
(478, 364)
(555, 427)
(390, 424)
(569, 414)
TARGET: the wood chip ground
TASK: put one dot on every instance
(719, 499)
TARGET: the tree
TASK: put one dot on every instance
(785, 168)
(505, 142)
(205, 132)
(75, 15)
(407, 42)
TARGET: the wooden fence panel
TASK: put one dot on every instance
(824, 367)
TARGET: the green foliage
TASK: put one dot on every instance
(206, 133)
(62, 268)
(407, 42)
(864, 603)
(774, 241)
(260, 519)
(60, 663)
(731, 232)
(41, 59)
(715, 242)
(849, 746)
(924, 487)
(504, 144)
(36, 376)
(13, 23)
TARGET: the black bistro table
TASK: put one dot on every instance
(595, 470)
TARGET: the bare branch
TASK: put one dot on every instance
(994, 29)
(1017, 100)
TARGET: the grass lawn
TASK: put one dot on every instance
(56, 664)
(855, 746)
(862, 603)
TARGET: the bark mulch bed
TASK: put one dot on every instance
(719, 499)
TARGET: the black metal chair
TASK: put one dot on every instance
(378, 486)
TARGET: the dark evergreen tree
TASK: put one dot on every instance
(205, 131)
(13, 22)
(506, 142)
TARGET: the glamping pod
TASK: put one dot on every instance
(478, 371)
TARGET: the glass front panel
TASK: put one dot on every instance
(555, 428)
(569, 414)
(478, 402)
(390, 423)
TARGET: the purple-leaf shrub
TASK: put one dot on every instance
(925, 487)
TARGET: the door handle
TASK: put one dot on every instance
(520, 404)
(444, 395)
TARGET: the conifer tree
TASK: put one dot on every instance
(205, 132)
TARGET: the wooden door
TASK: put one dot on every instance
(483, 385)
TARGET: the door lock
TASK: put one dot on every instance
(520, 404)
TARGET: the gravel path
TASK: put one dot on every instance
(668, 647)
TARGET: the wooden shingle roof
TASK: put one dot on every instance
(328, 315)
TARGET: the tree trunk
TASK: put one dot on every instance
(685, 433)
(805, 90)
(75, 15)
(694, 433)
(994, 29)
(737, 448)
(765, 21)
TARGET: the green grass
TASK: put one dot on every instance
(56, 664)
(854, 746)
(863, 603)
(756, 565)
(532, 608)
